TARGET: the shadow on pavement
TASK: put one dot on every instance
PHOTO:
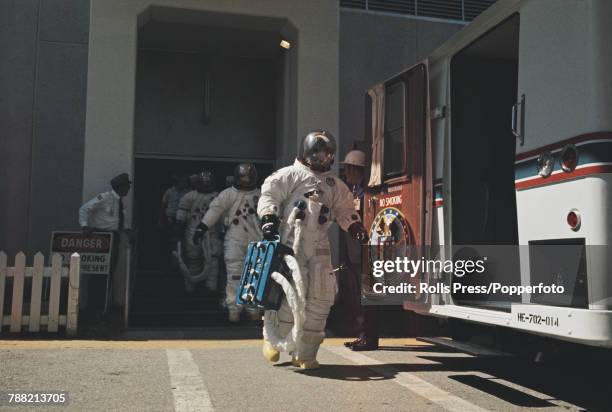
(578, 380)
(417, 348)
(502, 392)
(354, 373)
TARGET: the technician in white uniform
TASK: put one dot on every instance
(238, 204)
(202, 264)
(323, 198)
(106, 213)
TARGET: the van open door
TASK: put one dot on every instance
(398, 201)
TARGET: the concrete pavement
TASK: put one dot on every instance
(231, 375)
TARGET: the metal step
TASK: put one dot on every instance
(467, 347)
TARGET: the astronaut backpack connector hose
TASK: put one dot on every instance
(269, 273)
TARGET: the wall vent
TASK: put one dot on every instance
(460, 10)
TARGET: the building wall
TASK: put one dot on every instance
(169, 106)
(43, 76)
(110, 109)
(43, 70)
(109, 134)
(373, 47)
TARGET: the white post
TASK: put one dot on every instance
(73, 294)
(18, 280)
(54, 297)
(36, 297)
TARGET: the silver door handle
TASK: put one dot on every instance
(518, 120)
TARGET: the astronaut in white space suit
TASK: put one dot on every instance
(238, 205)
(309, 192)
(198, 262)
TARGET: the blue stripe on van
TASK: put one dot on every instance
(588, 153)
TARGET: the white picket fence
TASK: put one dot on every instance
(39, 303)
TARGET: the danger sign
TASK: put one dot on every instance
(94, 249)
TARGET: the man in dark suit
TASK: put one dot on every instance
(354, 164)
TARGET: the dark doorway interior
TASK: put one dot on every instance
(159, 298)
(484, 79)
(208, 85)
(484, 83)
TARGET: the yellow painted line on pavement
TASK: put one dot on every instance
(128, 344)
(159, 344)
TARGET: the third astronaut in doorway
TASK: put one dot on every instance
(201, 260)
(238, 204)
(323, 198)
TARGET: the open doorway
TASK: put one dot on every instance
(484, 83)
(159, 297)
(210, 93)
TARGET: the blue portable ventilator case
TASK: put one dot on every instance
(257, 288)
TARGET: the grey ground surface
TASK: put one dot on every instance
(405, 375)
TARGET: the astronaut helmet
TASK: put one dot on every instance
(245, 176)
(205, 182)
(318, 150)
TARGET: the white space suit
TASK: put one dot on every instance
(201, 259)
(242, 226)
(327, 199)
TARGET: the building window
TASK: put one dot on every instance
(395, 132)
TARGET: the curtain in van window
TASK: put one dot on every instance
(377, 94)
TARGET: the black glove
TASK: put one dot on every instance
(269, 226)
(199, 233)
(358, 232)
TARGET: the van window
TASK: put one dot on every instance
(416, 112)
(394, 144)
